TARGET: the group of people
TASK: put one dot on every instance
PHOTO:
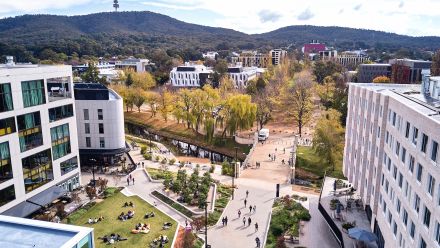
(225, 221)
(95, 220)
(124, 217)
(141, 228)
(160, 241)
(149, 215)
(112, 238)
(130, 178)
(129, 204)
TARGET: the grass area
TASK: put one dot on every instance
(158, 174)
(171, 129)
(307, 160)
(110, 208)
(286, 215)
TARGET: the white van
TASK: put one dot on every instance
(263, 134)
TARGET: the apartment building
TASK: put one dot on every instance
(368, 72)
(391, 157)
(137, 65)
(252, 59)
(278, 55)
(190, 75)
(242, 75)
(38, 137)
(100, 121)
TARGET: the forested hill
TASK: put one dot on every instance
(134, 33)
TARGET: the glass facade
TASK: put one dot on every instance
(29, 131)
(69, 165)
(6, 103)
(60, 141)
(7, 195)
(7, 126)
(5, 163)
(37, 170)
(60, 112)
(33, 93)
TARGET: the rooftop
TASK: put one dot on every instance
(94, 91)
(24, 233)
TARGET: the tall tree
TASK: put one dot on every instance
(91, 74)
(138, 98)
(152, 98)
(166, 100)
(326, 91)
(328, 139)
(129, 80)
(185, 102)
(299, 99)
(322, 69)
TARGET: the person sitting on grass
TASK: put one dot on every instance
(131, 204)
(90, 221)
(149, 215)
(101, 218)
(130, 214)
(126, 204)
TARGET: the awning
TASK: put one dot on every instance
(34, 203)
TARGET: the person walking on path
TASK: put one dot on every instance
(247, 193)
(255, 208)
(249, 221)
(239, 213)
(244, 221)
(223, 221)
(256, 227)
(284, 150)
(245, 202)
(132, 180)
(270, 156)
(226, 220)
(128, 181)
(257, 240)
(250, 208)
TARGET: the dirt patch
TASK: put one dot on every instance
(193, 160)
(179, 238)
(308, 190)
(305, 175)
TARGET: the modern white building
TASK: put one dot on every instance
(105, 69)
(137, 65)
(21, 232)
(210, 55)
(38, 137)
(392, 158)
(242, 75)
(278, 55)
(100, 121)
(190, 75)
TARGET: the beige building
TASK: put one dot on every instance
(252, 59)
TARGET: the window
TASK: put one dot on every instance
(5, 163)
(100, 115)
(434, 150)
(7, 195)
(101, 142)
(398, 205)
(37, 170)
(69, 165)
(394, 172)
(33, 93)
(88, 142)
(407, 129)
(394, 228)
(101, 127)
(422, 243)
(416, 203)
(412, 230)
(87, 128)
(411, 163)
(426, 217)
(415, 135)
(405, 217)
(397, 148)
(437, 233)
(424, 143)
(60, 141)
(7, 126)
(86, 114)
(29, 131)
(400, 180)
(430, 184)
(390, 217)
(419, 172)
(6, 103)
(60, 112)
(403, 155)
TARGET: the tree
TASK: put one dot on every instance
(184, 102)
(326, 91)
(299, 99)
(328, 139)
(322, 69)
(435, 67)
(138, 98)
(91, 74)
(237, 112)
(143, 80)
(165, 105)
(381, 80)
(152, 98)
(129, 80)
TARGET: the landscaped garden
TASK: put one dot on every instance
(110, 208)
(285, 222)
(309, 162)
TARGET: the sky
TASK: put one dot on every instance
(410, 17)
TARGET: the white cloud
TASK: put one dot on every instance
(305, 15)
(27, 6)
(268, 16)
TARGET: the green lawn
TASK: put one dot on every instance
(111, 207)
(158, 174)
(307, 160)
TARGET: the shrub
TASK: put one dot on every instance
(173, 204)
(212, 169)
(348, 225)
(147, 156)
(143, 149)
(109, 192)
(157, 158)
(227, 169)
(164, 161)
(171, 161)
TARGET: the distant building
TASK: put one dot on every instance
(190, 75)
(252, 59)
(100, 121)
(210, 55)
(368, 72)
(20, 232)
(408, 71)
(105, 69)
(351, 59)
(328, 54)
(278, 55)
(38, 137)
(137, 65)
(242, 75)
(313, 47)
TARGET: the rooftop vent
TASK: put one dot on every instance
(10, 61)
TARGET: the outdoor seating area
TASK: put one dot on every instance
(347, 211)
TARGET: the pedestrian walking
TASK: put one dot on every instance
(226, 220)
(275, 149)
(133, 180)
(244, 221)
(249, 221)
(256, 227)
(282, 161)
(250, 208)
(284, 150)
(257, 240)
(128, 181)
(129, 176)
(270, 157)
(186, 222)
(239, 213)
(247, 193)
(245, 202)
(255, 208)
(223, 221)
